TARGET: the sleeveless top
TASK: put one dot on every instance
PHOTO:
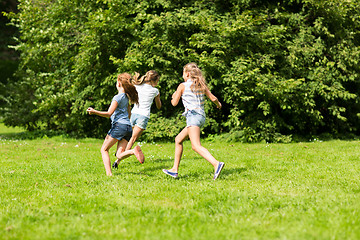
(192, 101)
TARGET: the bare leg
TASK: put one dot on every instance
(194, 135)
(179, 139)
(108, 143)
(127, 153)
(124, 154)
(135, 135)
(120, 148)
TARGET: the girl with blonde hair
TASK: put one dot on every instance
(192, 92)
(119, 112)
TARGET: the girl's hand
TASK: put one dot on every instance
(90, 110)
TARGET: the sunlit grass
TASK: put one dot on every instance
(56, 188)
(9, 130)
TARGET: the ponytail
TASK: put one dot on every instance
(150, 76)
(130, 90)
(137, 79)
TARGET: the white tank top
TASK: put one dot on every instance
(192, 100)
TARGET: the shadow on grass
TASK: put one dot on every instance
(159, 160)
(151, 170)
(224, 172)
(157, 170)
(231, 171)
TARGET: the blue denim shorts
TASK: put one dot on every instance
(194, 119)
(120, 131)
(139, 120)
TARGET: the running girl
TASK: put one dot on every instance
(140, 113)
(192, 92)
(119, 112)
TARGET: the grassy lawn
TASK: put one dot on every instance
(56, 188)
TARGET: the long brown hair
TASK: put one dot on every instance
(196, 75)
(150, 76)
(130, 90)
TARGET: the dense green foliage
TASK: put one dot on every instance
(279, 67)
(8, 57)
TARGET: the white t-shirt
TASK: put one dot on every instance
(146, 93)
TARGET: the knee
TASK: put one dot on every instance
(196, 147)
(178, 141)
(119, 151)
(103, 150)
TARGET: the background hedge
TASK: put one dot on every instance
(280, 68)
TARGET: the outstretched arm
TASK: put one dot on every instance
(213, 98)
(177, 95)
(107, 113)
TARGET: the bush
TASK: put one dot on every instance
(161, 128)
(279, 68)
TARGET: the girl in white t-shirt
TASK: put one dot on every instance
(140, 114)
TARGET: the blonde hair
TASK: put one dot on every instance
(150, 76)
(130, 90)
(196, 75)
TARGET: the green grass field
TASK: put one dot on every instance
(56, 188)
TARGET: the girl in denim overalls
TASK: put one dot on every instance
(192, 92)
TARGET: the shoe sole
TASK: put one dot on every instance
(221, 168)
(139, 154)
(168, 173)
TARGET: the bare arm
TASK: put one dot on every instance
(158, 101)
(213, 98)
(107, 113)
(177, 95)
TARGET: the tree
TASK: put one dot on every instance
(8, 57)
(280, 68)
